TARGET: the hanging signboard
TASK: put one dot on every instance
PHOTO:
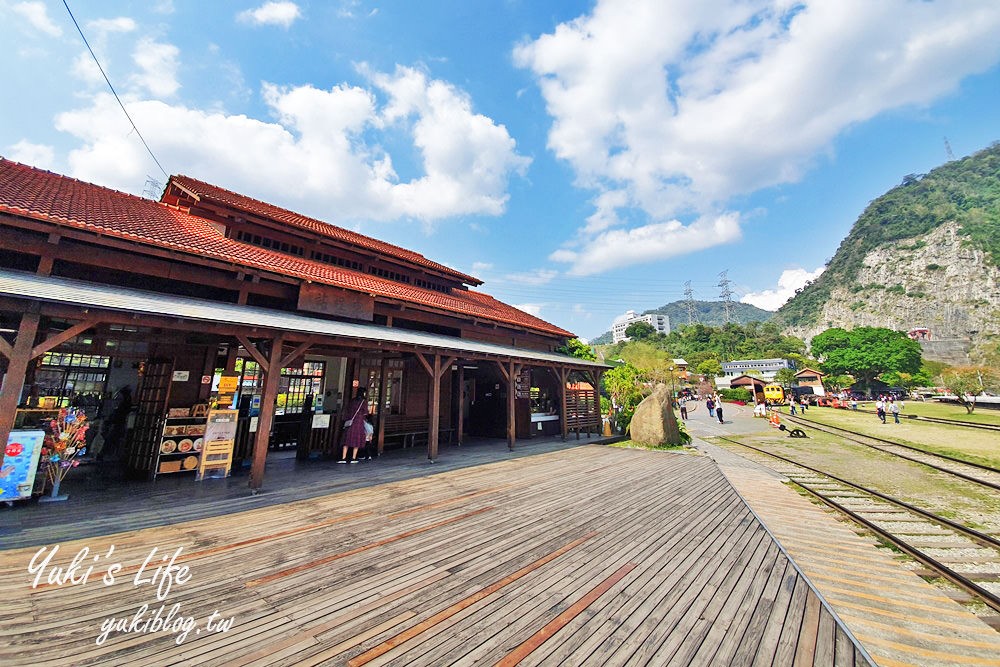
(217, 450)
(522, 384)
(17, 474)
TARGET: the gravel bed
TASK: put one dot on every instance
(972, 553)
(966, 568)
(911, 528)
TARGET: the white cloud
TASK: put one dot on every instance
(281, 14)
(647, 243)
(790, 280)
(158, 64)
(533, 277)
(320, 155)
(481, 266)
(37, 15)
(117, 24)
(86, 70)
(709, 99)
(531, 308)
(36, 155)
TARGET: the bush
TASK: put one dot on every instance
(738, 394)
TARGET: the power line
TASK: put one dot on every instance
(113, 91)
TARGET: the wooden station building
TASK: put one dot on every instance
(101, 290)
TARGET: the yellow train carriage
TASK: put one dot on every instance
(774, 394)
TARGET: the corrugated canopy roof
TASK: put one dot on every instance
(79, 293)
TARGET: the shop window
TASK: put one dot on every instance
(297, 383)
(64, 379)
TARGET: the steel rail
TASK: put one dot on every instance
(836, 430)
(990, 598)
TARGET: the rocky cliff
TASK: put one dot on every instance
(924, 254)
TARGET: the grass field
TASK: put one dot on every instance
(961, 442)
(944, 411)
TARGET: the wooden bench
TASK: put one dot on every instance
(412, 429)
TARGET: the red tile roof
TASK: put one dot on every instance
(42, 195)
(211, 193)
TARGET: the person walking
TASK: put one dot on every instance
(894, 409)
(718, 409)
(710, 406)
(684, 409)
(880, 409)
(791, 407)
(354, 427)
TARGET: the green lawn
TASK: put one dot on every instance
(959, 441)
(944, 411)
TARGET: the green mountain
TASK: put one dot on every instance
(924, 254)
(712, 313)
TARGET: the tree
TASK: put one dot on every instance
(785, 377)
(710, 368)
(866, 352)
(968, 382)
(835, 383)
(639, 330)
(574, 347)
(624, 385)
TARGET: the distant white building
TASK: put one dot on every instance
(659, 322)
(765, 368)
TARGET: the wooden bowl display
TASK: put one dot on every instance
(168, 447)
(190, 463)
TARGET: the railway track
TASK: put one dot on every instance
(968, 558)
(972, 472)
(941, 420)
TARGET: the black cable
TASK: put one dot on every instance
(113, 91)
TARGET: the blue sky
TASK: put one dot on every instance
(581, 158)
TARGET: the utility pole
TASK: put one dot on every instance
(727, 294)
(689, 300)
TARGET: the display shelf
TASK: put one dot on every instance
(179, 429)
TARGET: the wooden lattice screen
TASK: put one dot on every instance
(583, 411)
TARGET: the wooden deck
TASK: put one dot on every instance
(582, 556)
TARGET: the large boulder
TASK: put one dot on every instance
(654, 422)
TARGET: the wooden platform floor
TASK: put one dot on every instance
(101, 502)
(583, 556)
(901, 620)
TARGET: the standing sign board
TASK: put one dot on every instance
(217, 450)
(522, 384)
(17, 476)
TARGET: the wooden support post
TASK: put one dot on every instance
(511, 404)
(18, 356)
(435, 410)
(272, 374)
(460, 427)
(563, 375)
(380, 433)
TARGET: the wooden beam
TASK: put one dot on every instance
(254, 352)
(13, 380)
(6, 349)
(435, 410)
(503, 370)
(62, 337)
(423, 362)
(445, 365)
(296, 353)
(267, 400)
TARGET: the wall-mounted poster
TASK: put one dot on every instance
(17, 474)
